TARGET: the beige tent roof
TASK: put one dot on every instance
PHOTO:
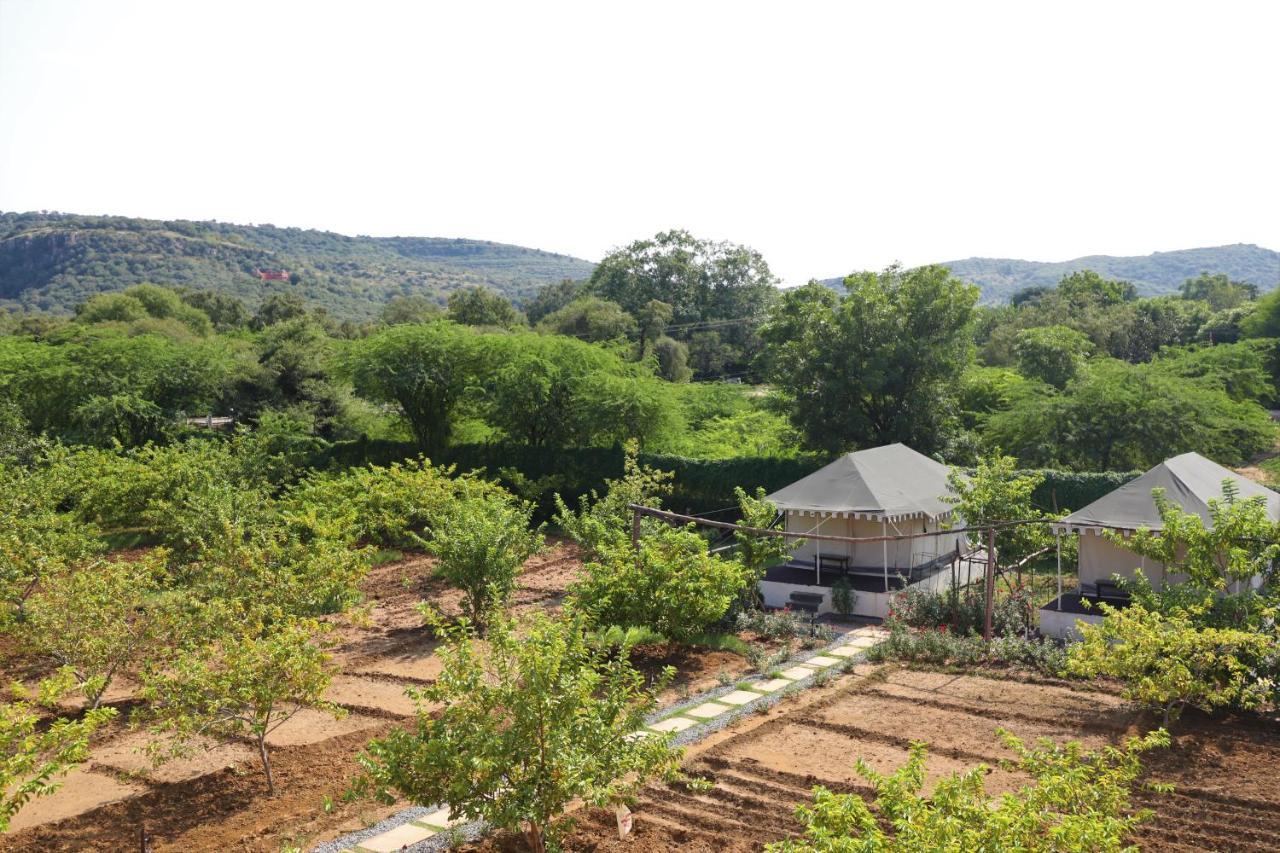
(893, 481)
(1189, 481)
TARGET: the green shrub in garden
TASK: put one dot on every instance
(482, 540)
(36, 751)
(669, 584)
(380, 505)
(513, 731)
(1079, 801)
(941, 647)
(36, 537)
(1169, 660)
(961, 612)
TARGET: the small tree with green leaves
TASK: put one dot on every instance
(482, 541)
(1079, 801)
(34, 753)
(756, 552)
(1169, 661)
(1240, 541)
(241, 685)
(531, 721)
(603, 520)
(35, 538)
(669, 583)
(99, 620)
(996, 492)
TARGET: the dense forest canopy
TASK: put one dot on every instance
(1086, 374)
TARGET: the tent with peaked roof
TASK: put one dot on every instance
(1189, 481)
(889, 490)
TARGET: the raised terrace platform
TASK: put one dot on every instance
(1058, 618)
(868, 583)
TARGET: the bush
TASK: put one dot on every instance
(962, 612)
(781, 625)
(1169, 661)
(522, 728)
(482, 541)
(381, 505)
(1079, 801)
(843, 597)
(940, 647)
(669, 584)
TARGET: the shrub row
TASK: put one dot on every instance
(701, 485)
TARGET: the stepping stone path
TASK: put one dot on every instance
(854, 643)
(707, 711)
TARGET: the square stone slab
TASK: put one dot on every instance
(863, 642)
(822, 660)
(845, 651)
(771, 685)
(394, 839)
(798, 672)
(738, 697)
(443, 816)
(707, 710)
(673, 724)
(632, 736)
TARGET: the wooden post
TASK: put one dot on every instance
(990, 586)
(635, 530)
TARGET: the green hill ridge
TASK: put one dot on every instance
(51, 261)
(1153, 275)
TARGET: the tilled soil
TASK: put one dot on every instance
(1224, 769)
(216, 799)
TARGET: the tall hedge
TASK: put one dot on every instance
(701, 485)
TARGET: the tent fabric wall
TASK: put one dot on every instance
(902, 554)
(1100, 559)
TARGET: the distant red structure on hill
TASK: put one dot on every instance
(273, 275)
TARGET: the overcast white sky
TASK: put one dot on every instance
(831, 137)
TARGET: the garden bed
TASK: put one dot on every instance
(1227, 796)
(216, 799)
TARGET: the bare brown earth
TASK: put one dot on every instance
(1228, 794)
(1227, 798)
(215, 798)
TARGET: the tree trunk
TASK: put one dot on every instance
(533, 837)
(266, 764)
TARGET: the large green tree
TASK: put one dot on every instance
(480, 306)
(424, 370)
(1052, 354)
(724, 286)
(1120, 416)
(875, 366)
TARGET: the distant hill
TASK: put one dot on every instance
(1153, 275)
(51, 261)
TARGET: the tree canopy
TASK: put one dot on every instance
(875, 366)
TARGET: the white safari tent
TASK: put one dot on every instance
(881, 492)
(1189, 482)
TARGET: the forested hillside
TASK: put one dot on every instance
(1157, 274)
(52, 261)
